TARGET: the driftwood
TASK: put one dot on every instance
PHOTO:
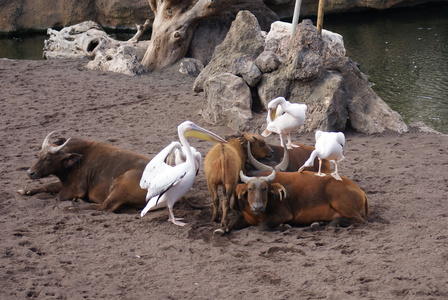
(173, 28)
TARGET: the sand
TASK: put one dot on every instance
(49, 251)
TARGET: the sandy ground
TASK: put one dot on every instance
(51, 252)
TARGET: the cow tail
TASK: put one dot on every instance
(366, 207)
(223, 169)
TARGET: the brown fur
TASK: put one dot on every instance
(308, 199)
(297, 157)
(223, 163)
(97, 172)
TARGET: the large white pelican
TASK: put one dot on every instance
(283, 117)
(328, 146)
(178, 156)
(165, 183)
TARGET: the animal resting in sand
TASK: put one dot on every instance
(294, 198)
(97, 172)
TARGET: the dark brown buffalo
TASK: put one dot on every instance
(294, 198)
(97, 172)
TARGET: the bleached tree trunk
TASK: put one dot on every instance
(173, 28)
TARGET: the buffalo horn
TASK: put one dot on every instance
(246, 179)
(46, 146)
(282, 166)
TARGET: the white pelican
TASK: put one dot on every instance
(178, 156)
(166, 184)
(328, 146)
(283, 117)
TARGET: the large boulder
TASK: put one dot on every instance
(313, 70)
(244, 38)
(227, 102)
(210, 32)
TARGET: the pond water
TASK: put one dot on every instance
(405, 56)
(403, 52)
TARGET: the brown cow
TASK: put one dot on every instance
(297, 199)
(97, 172)
(223, 163)
(297, 157)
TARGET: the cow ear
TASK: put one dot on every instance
(243, 139)
(278, 189)
(241, 189)
(71, 159)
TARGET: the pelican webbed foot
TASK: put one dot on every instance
(320, 174)
(177, 222)
(336, 176)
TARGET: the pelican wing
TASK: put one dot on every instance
(165, 179)
(157, 164)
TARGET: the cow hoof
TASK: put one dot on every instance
(220, 231)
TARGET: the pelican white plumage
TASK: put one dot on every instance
(165, 183)
(178, 156)
(329, 146)
(284, 117)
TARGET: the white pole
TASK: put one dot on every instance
(295, 18)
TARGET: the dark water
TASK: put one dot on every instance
(405, 56)
(404, 53)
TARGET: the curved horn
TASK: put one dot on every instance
(270, 177)
(258, 165)
(55, 150)
(46, 146)
(244, 178)
(46, 142)
(283, 165)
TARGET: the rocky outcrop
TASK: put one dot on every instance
(42, 14)
(88, 40)
(314, 71)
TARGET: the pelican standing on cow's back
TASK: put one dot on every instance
(166, 184)
(284, 117)
(329, 146)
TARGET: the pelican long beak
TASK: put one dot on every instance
(203, 134)
(273, 113)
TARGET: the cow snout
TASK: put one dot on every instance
(257, 208)
(32, 174)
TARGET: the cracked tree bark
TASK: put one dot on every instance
(173, 28)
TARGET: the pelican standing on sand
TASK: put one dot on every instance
(283, 117)
(166, 184)
(328, 146)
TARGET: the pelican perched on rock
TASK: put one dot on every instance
(328, 146)
(165, 183)
(284, 117)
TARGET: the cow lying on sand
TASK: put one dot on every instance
(294, 198)
(97, 172)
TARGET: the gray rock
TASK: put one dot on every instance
(245, 67)
(228, 102)
(191, 66)
(244, 37)
(268, 61)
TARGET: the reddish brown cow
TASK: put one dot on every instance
(89, 170)
(297, 157)
(223, 163)
(297, 199)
